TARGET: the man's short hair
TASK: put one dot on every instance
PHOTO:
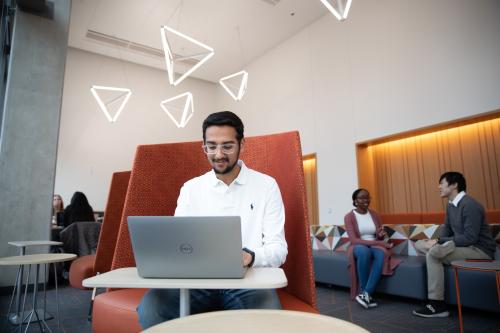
(453, 177)
(224, 118)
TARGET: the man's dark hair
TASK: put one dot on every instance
(355, 195)
(224, 118)
(453, 177)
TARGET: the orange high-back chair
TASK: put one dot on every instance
(90, 265)
(158, 173)
(87, 266)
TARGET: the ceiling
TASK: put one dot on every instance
(239, 30)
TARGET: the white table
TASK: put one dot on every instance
(260, 321)
(36, 259)
(22, 245)
(255, 278)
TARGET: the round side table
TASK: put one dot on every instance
(251, 321)
(492, 266)
(22, 245)
(36, 259)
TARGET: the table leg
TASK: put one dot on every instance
(14, 318)
(21, 318)
(184, 303)
(35, 300)
(57, 300)
(498, 285)
(457, 287)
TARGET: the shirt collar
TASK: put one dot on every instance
(457, 199)
(241, 179)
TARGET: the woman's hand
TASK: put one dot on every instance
(381, 233)
(389, 245)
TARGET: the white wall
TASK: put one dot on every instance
(90, 148)
(391, 67)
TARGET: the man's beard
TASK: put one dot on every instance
(229, 168)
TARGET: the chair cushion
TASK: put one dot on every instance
(81, 269)
(290, 302)
(115, 311)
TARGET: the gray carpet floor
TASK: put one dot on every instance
(392, 315)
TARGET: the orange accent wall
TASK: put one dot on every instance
(403, 174)
(311, 182)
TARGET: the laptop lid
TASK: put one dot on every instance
(187, 247)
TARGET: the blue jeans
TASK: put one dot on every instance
(369, 264)
(159, 305)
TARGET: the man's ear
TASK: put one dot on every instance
(242, 145)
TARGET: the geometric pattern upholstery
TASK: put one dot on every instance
(329, 237)
(403, 236)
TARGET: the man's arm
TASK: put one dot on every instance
(445, 234)
(471, 220)
(274, 248)
(182, 208)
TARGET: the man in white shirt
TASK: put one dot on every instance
(229, 189)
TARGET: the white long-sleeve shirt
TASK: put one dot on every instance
(253, 196)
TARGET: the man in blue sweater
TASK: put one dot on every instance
(464, 235)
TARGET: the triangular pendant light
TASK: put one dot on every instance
(174, 105)
(228, 83)
(339, 8)
(186, 54)
(123, 95)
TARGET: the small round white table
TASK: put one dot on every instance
(252, 321)
(36, 259)
(22, 245)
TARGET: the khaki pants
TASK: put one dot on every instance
(435, 269)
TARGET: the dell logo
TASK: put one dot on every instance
(186, 248)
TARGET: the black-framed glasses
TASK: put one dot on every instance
(225, 148)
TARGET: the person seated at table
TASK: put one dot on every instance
(79, 210)
(369, 255)
(229, 189)
(57, 210)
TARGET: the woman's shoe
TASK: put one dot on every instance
(362, 300)
(365, 300)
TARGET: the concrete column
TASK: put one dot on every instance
(30, 127)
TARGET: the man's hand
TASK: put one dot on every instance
(247, 258)
(428, 243)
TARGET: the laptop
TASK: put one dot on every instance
(187, 247)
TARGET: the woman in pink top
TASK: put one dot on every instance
(369, 254)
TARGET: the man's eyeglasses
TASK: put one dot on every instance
(225, 148)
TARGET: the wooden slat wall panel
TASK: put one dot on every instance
(407, 171)
(311, 183)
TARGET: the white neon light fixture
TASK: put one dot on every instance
(104, 106)
(170, 57)
(242, 88)
(340, 12)
(187, 110)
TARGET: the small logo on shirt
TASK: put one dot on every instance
(251, 206)
(186, 248)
